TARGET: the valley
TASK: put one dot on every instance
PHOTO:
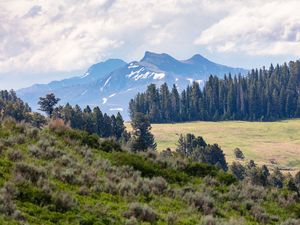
(263, 142)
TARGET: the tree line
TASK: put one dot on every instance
(263, 95)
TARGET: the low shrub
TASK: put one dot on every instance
(209, 220)
(147, 167)
(200, 201)
(7, 206)
(110, 145)
(259, 214)
(26, 192)
(158, 185)
(29, 172)
(58, 125)
(63, 201)
(141, 212)
(15, 155)
(291, 222)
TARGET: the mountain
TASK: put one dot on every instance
(112, 83)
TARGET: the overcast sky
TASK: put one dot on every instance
(43, 40)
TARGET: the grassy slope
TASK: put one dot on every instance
(105, 204)
(261, 141)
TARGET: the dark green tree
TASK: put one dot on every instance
(142, 139)
(47, 104)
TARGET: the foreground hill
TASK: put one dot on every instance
(265, 142)
(62, 176)
(111, 84)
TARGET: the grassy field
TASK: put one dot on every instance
(261, 141)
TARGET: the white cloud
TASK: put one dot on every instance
(259, 28)
(46, 36)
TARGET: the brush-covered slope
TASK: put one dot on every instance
(62, 176)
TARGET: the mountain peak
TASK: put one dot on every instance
(197, 58)
(153, 57)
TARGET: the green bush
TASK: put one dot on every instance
(33, 194)
(148, 168)
(109, 146)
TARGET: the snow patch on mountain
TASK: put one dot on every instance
(132, 65)
(83, 93)
(106, 82)
(158, 76)
(85, 75)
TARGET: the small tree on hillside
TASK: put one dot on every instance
(142, 138)
(47, 103)
(238, 153)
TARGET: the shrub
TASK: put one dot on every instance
(158, 185)
(172, 219)
(26, 192)
(7, 206)
(200, 169)
(202, 202)
(259, 214)
(131, 221)
(238, 153)
(209, 220)
(15, 155)
(83, 190)
(2, 147)
(43, 152)
(89, 177)
(29, 172)
(291, 222)
(110, 145)
(58, 125)
(67, 175)
(32, 133)
(141, 212)
(63, 201)
(126, 188)
(238, 170)
(148, 168)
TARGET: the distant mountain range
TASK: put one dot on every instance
(111, 84)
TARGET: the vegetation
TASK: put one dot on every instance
(47, 103)
(93, 121)
(263, 95)
(50, 176)
(142, 139)
(83, 167)
(275, 144)
(12, 106)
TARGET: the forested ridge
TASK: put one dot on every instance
(262, 95)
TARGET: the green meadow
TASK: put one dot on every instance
(270, 143)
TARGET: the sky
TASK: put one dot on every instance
(45, 40)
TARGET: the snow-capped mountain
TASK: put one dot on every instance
(112, 83)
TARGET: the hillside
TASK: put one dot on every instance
(261, 141)
(61, 176)
(111, 84)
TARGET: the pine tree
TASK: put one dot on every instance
(47, 103)
(142, 138)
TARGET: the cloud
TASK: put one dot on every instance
(259, 28)
(46, 37)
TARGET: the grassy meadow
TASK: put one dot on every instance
(261, 141)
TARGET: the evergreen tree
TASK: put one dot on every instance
(142, 138)
(261, 95)
(47, 103)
